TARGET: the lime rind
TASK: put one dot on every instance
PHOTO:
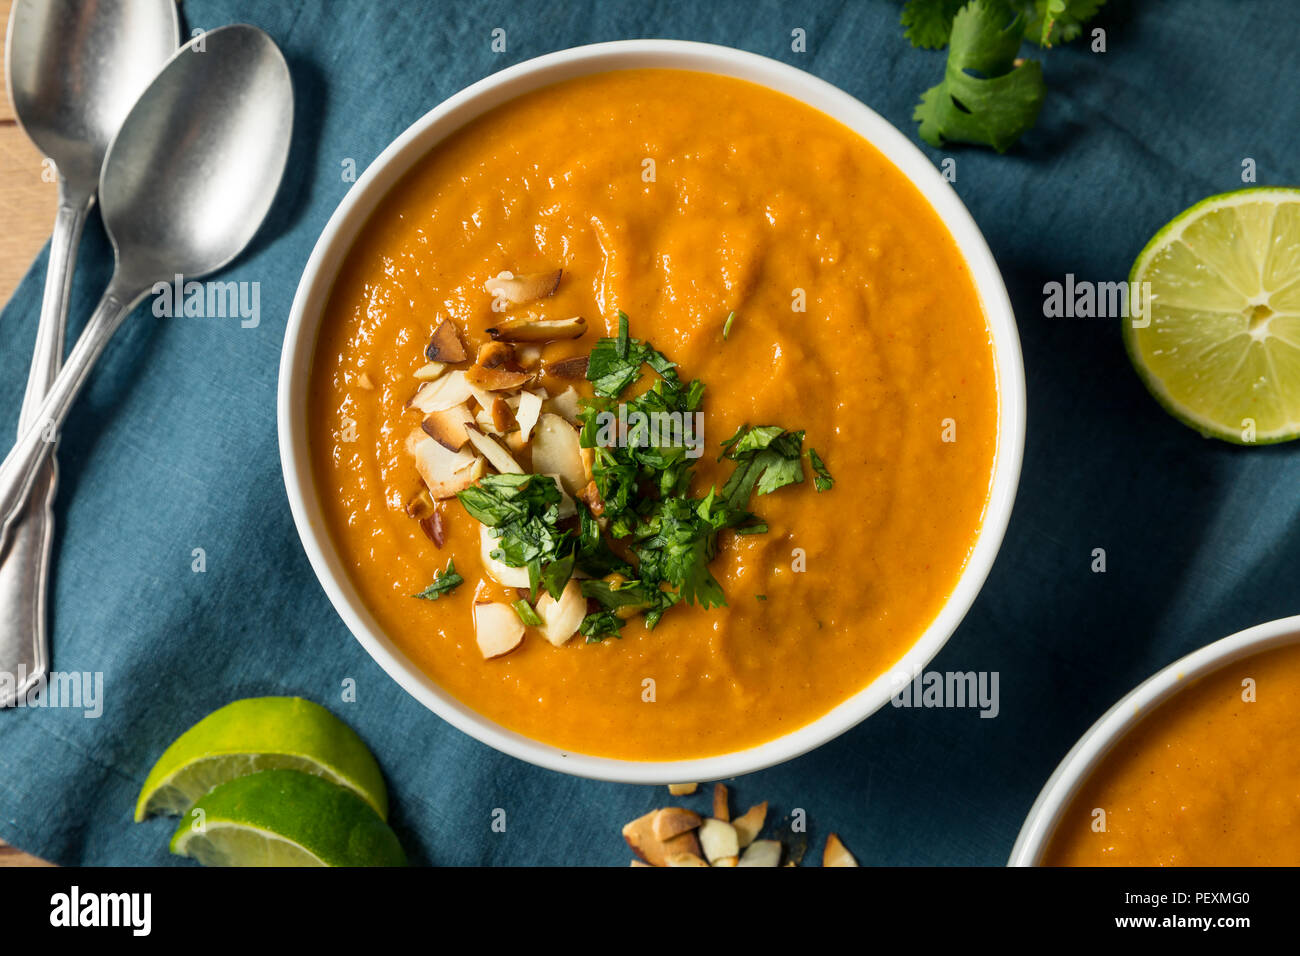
(1207, 271)
(258, 734)
(285, 818)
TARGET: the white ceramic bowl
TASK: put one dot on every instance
(1093, 746)
(407, 150)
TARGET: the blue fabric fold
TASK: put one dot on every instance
(173, 448)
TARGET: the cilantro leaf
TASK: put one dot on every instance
(1059, 21)
(928, 22)
(768, 458)
(822, 479)
(615, 364)
(444, 582)
(612, 596)
(984, 97)
(526, 613)
(600, 625)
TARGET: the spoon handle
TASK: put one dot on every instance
(23, 464)
(24, 572)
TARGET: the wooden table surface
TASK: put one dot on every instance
(27, 204)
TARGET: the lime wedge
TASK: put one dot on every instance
(1221, 351)
(285, 818)
(260, 733)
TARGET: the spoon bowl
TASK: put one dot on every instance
(76, 67)
(197, 163)
(186, 183)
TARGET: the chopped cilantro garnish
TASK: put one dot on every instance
(523, 513)
(822, 479)
(615, 364)
(596, 627)
(526, 613)
(767, 458)
(444, 582)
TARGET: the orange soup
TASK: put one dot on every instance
(1210, 778)
(773, 255)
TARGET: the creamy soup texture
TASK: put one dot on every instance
(679, 198)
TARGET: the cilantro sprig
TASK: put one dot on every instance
(988, 96)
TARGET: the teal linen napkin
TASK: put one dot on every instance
(173, 448)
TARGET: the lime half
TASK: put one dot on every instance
(260, 733)
(285, 818)
(1219, 345)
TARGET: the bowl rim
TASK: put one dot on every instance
(413, 144)
(1097, 741)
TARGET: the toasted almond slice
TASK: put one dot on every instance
(459, 481)
(565, 404)
(726, 861)
(497, 456)
(497, 629)
(750, 824)
(502, 419)
(495, 379)
(561, 618)
(499, 571)
(528, 356)
(447, 427)
(482, 396)
(671, 821)
(556, 452)
(365, 381)
(483, 419)
(432, 525)
(640, 863)
(529, 410)
(496, 355)
(640, 836)
(515, 444)
(835, 854)
(524, 329)
(420, 505)
(682, 789)
(684, 859)
(571, 368)
(444, 472)
(431, 371)
(718, 838)
(721, 809)
(762, 853)
(448, 391)
(520, 290)
(445, 345)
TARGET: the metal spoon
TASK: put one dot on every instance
(186, 183)
(74, 69)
